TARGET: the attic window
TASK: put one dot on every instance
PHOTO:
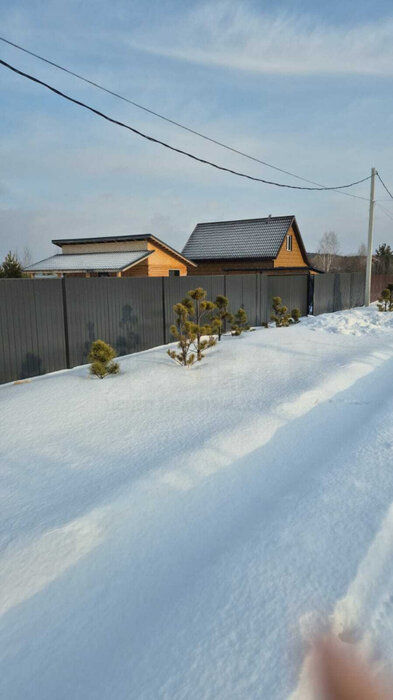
(289, 242)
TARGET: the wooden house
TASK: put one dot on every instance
(141, 255)
(272, 245)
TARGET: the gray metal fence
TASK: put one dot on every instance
(292, 289)
(32, 338)
(126, 313)
(336, 291)
(46, 325)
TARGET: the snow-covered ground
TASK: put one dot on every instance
(179, 533)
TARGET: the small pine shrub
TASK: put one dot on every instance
(280, 315)
(192, 326)
(390, 288)
(101, 356)
(240, 323)
(295, 315)
(385, 300)
(184, 332)
(221, 314)
(202, 309)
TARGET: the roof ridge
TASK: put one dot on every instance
(103, 239)
(100, 252)
(238, 221)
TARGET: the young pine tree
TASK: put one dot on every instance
(184, 332)
(390, 288)
(201, 311)
(280, 315)
(101, 356)
(221, 314)
(11, 266)
(240, 322)
(384, 300)
(295, 315)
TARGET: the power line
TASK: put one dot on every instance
(388, 213)
(383, 185)
(172, 148)
(173, 122)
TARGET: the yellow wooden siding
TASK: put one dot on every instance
(139, 270)
(290, 258)
(161, 261)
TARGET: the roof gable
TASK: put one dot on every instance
(245, 238)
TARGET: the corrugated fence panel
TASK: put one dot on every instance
(126, 313)
(176, 288)
(336, 291)
(291, 288)
(342, 291)
(243, 291)
(358, 283)
(323, 293)
(32, 339)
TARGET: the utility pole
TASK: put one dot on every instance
(367, 292)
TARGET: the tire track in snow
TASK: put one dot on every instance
(30, 568)
(222, 450)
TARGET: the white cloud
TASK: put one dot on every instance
(235, 36)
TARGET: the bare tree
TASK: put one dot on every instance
(27, 258)
(328, 248)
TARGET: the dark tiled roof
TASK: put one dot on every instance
(247, 238)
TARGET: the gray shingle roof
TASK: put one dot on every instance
(247, 238)
(81, 262)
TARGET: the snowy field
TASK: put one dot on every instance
(180, 533)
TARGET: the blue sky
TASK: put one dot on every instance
(305, 87)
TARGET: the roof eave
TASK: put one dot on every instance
(90, 269)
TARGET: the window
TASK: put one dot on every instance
(289, 242)
(174, 273)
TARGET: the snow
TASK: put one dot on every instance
(181, 533)
(358, 322)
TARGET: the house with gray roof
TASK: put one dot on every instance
(136, 255)
(272, 245)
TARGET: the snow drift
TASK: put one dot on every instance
(174, 533)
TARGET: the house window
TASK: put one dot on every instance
(174, 273)
(289, 242)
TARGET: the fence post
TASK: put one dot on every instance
(310, 293)
(163, 309)
(65, 316)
